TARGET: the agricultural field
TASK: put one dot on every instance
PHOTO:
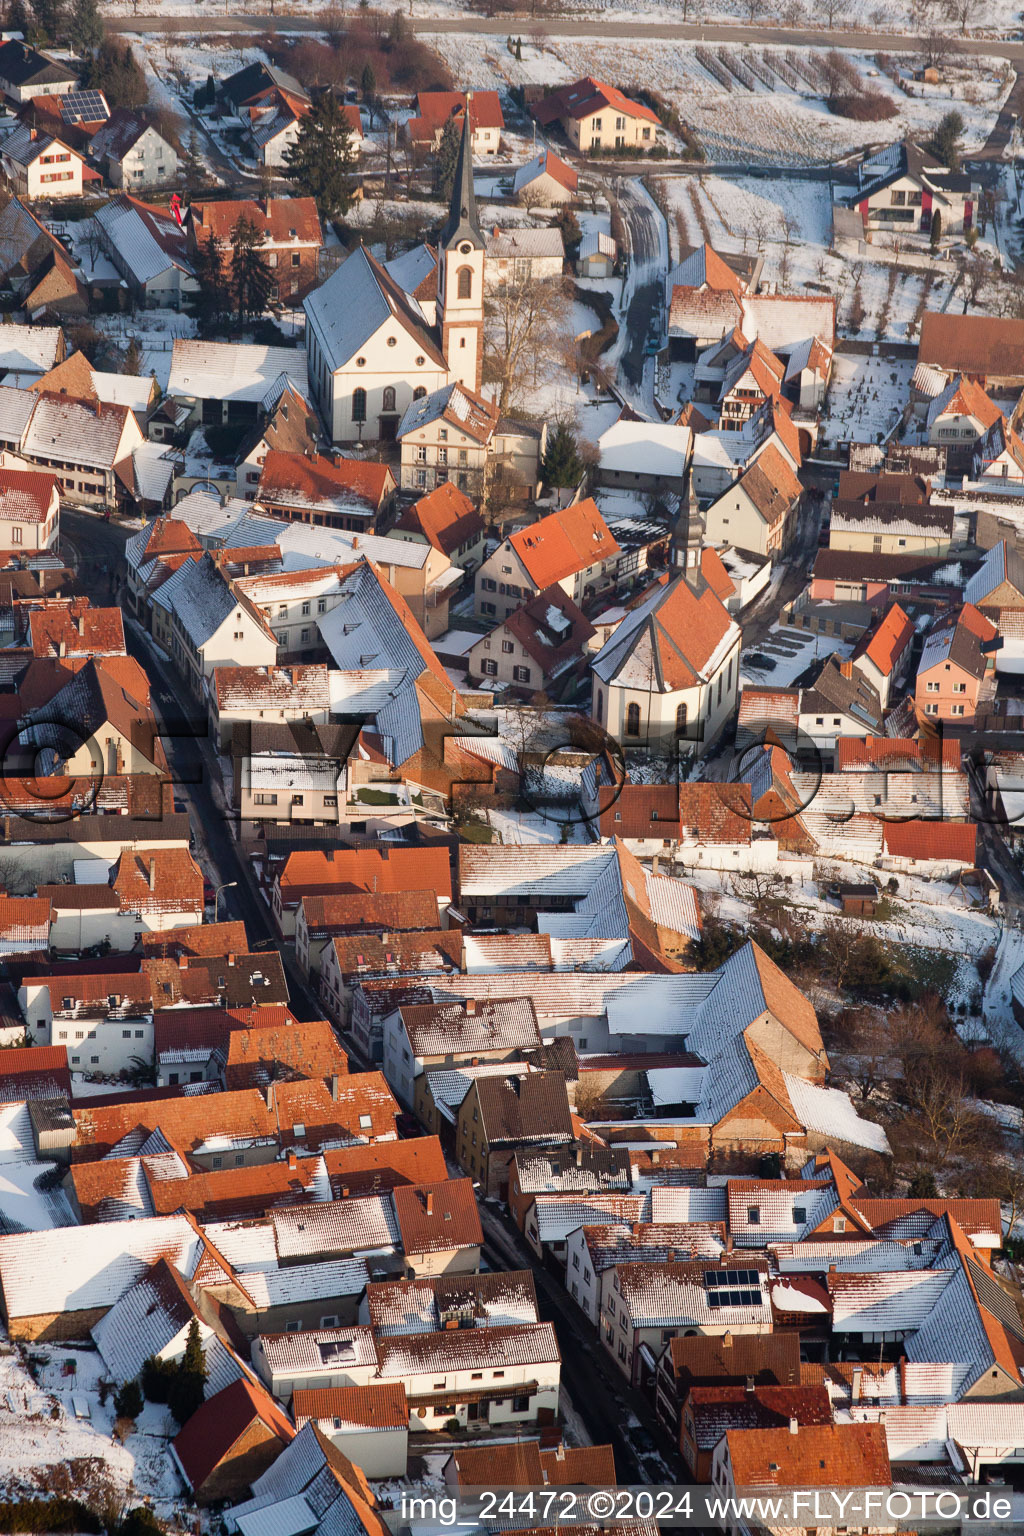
(747, 105)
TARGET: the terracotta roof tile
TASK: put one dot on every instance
(564, 542)
(214, 1429)
(378, 1405)
(931, 840)
(433, 1218)
(282, 220)
(382, 1165)
(817, 1456)
(973, 344)
(366, 869)
(446, 517)
(308, 1049)
(292, 479)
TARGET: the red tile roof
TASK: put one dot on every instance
(282, 220)
(378, 1405)
(432, 1218)
(363, 1170)
(435, 107)
(564, 542)
(25, 495)
(887, 642)
(323, 477)
(202, 939)
(586, 96)
(894, 753)
(365, 869)
(379, 912)
(978, 344)
(550, 164)
(817, 1456)
(25, 920)
(955, 841)
(76, 627)
(446, 518)
(299, 1050)
(212, 1431)
(34, 1072)
(716, 575)
(159, 881)
(550, 645)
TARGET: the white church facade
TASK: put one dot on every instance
(371, 350)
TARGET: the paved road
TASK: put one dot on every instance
(98, 550)
(603, 26)
(600, 1393)
(648, 256)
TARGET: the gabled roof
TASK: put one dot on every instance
(435, 107)
(586, 96)
(22, 65)
(771, 485)
(550, 628)
(463, 1029)
(973, 344)
(433, 1218)
(446, 517)
(1002, 564)
(281, 220)
(956, 842)
(963, 397)
(355, 301)
(26, 496)
(307, 1049)
(534, 1107)
(323, 483)
(120, 133)
(564, 542)
(455, 404)
(148, 239)
(886, 642)
(215, 1428)
(673, 640)
(704, 268)
(770, 1358)
(817, 1456)
(377, 1405)
(365, 869)
(547, 163)
(73, 430)
(957, 638)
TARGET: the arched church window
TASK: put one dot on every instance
(389, 398)
(465, 277)
(633, 720)
(359, 405)
(419, 393)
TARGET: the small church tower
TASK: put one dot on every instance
(460, 274)
(687, 535)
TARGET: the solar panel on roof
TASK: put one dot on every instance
(84, 107)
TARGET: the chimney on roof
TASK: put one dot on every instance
(61, 648)
(856, 1382)
(183, 961)
(903, 1378)
(475, 1061)
(429, 1202)
(750, 1384)
(846, 668)
(654, 865)
(560, 1453)
(728, 1242)
(344, 1191)
(727, 1339)
(794, 1424)
(293, 1161)
(314, 457)
(579, 1157)
(152, 874)
(670, 1256)
(334, 1086)
(270, 1095)
(471, 1006)
(635, 1229)
(655, 1158)
(355, 541)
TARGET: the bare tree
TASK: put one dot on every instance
(836, 943)
(524, 335)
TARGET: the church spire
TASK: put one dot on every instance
(462, 221)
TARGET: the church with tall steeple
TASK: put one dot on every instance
(460, 274)
(373, 346)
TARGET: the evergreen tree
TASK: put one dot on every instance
(128, 1400)
(936, 231)
(85, 26)
(251, 279)
(114, 70)
(368, 82)
(18, 18)
(562, 463)
(208, 265)
(132, 359)
(51, 19)
(519, 49)
(322, 161)
(211, 91)
(569, 224)
(447, 159)
(186, 1388)
(946, 139)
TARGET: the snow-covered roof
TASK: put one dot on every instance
(228, 370)
(74, 1269)
(646, 448)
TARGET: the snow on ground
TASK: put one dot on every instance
(44, 1445)
(749, 105)
(25, 1206)
(866, 398)
(526, 827)
(792, 651)
(997, 1007)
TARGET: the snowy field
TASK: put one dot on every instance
(47, 1445)
(750, 105)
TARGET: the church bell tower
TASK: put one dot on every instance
(460, 273)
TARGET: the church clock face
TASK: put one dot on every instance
(465, 248)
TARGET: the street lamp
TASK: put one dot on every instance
(227, 886)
